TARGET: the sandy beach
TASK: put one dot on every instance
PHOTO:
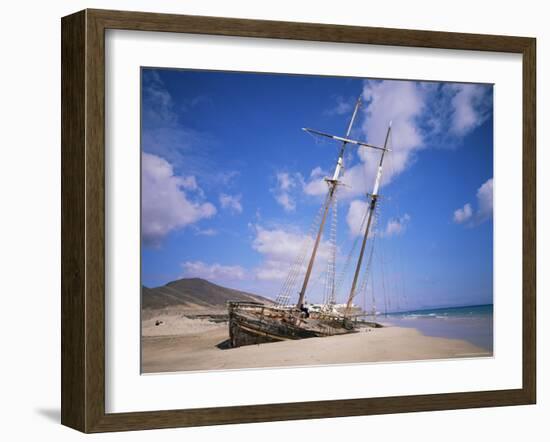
(181, 343)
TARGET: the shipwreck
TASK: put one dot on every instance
(255, 322)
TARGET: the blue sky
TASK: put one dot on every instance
(231, 184)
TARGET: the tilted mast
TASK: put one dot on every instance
(372, 207)
(332, 183)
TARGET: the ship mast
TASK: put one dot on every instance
(332, 184)
(371, 209)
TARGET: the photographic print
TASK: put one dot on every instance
(302, 220)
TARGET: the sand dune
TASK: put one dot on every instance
(194, 345)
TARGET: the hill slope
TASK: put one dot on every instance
(193, 292)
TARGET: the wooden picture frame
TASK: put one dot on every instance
(83, 220)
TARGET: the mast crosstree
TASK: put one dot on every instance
(330, 198)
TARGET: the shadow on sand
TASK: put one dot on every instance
(224, 345)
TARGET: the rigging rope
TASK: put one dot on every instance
(347, 263)
(386, 299)
(298, 267)
(364, 278)
(399, 281)
(330, 275)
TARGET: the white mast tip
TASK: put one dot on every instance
(390, 123)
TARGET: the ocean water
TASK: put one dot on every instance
(471, 323)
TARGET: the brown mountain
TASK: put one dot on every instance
(193, 293)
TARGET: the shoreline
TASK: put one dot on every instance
(183, 344)
(475, 330)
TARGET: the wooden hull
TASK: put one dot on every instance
(255, 323)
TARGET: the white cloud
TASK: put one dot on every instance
(422, 114)
(397, 226)
(285, 200)
(165, 204)
(231, 202)
(463, 214)
(469, 107)
(285, 188)
(278, 244)
(316, 185)
(402, 103)
(284, 181)
(158, 101)
(185, 148)
(189, 183)
(206, 232)
(484, 210)
(213, 272)
(271, 271)
(280, 247)
(485, 200)
(342, 107)
(356, 215)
